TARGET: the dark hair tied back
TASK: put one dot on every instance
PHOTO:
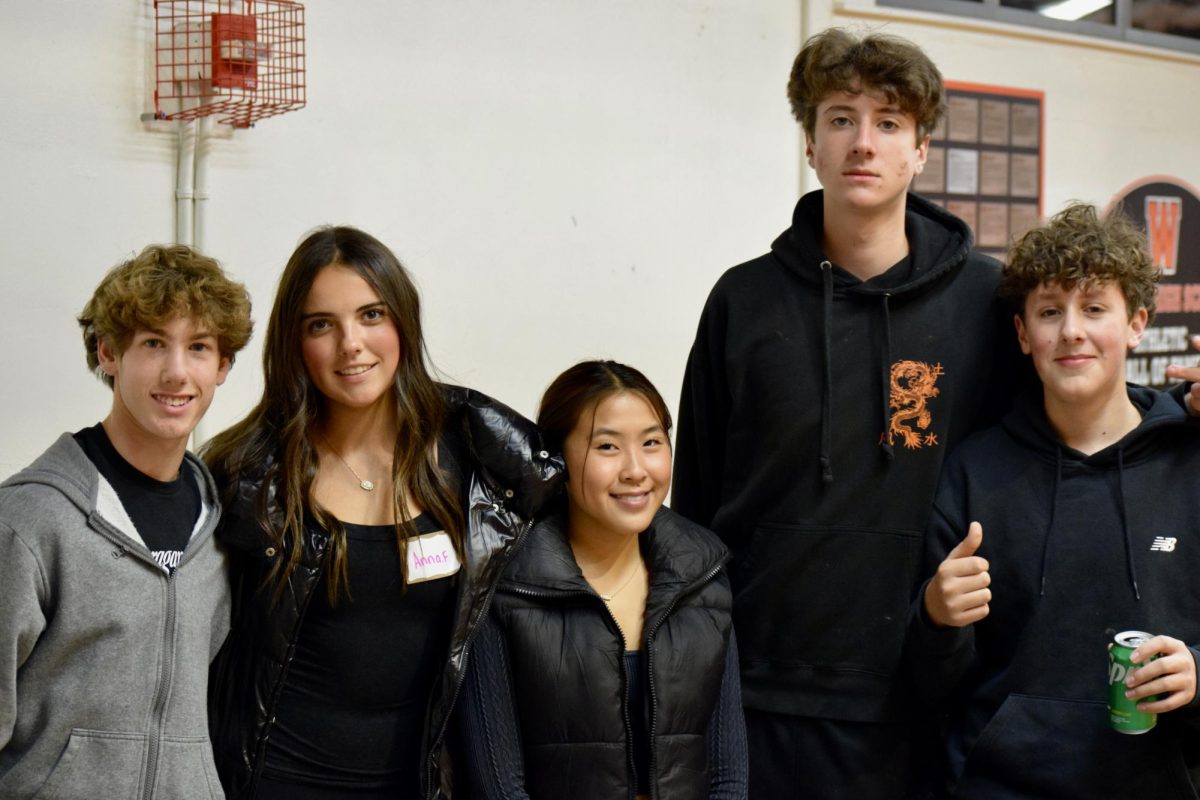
(582, 387)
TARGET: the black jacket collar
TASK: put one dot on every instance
(678, 554)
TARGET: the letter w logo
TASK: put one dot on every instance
(1163, 215)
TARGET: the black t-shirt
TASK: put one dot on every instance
(351, 715)
(164, 512)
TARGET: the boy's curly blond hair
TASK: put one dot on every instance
(159, 284)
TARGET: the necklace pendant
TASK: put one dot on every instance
(367, 486)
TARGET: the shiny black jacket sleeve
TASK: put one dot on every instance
(506, 476)
(504, 449)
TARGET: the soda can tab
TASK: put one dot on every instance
(1123, 715)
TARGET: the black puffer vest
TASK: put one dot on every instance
(568, 670)
(510, 478)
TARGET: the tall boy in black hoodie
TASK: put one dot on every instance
(827, 380)
(1054, 529)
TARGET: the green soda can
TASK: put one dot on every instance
(1123, 715)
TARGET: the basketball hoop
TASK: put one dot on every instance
(238, 61)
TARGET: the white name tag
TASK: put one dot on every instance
(430, 557)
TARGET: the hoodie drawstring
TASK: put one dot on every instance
(886, 369)
(1129, 563)
(825, 458)
(1125, 523)
(1050, 525)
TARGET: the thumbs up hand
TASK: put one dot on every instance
(958, 593)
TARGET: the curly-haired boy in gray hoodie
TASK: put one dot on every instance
(113, 597)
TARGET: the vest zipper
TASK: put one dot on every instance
(649, 641)
(708, 576)
(166, 675)
(625, 713)
(624, 673)
(431, 766)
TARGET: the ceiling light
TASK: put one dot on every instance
(1073, 9)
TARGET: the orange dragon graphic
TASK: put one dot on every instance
(913, 385)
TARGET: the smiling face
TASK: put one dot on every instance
(618, 467)
(163, 382)
(350, 345)
(1079, 338)
(865, 151)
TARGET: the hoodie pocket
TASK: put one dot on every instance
(1038, 747)
(186, 768)
(97, 764)
(825, 597)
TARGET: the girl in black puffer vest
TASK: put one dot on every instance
(607, 666)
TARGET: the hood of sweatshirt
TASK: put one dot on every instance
(65, 468)
(938, 243)
(1027, 424)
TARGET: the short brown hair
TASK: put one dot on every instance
(838, 61)
(1077, 245)
(159, 284)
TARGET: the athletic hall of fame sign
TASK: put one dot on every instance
(1168, 210)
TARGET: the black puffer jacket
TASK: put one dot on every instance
(564, 659)
(510, 477)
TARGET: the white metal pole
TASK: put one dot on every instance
(184, 175)
(199, 216)
(200, 191)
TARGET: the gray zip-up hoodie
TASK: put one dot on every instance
(103, 654)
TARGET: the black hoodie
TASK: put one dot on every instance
(1079, 546)
(815, 414)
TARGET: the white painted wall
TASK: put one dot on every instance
(564, 178)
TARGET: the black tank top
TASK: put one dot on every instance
(351, 714)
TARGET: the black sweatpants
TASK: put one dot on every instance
(802, 758)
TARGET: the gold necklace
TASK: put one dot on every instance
(363, 483)
(608, 598)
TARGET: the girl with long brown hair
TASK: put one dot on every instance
(358, 578)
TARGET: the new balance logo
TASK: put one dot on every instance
(1164, 544)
